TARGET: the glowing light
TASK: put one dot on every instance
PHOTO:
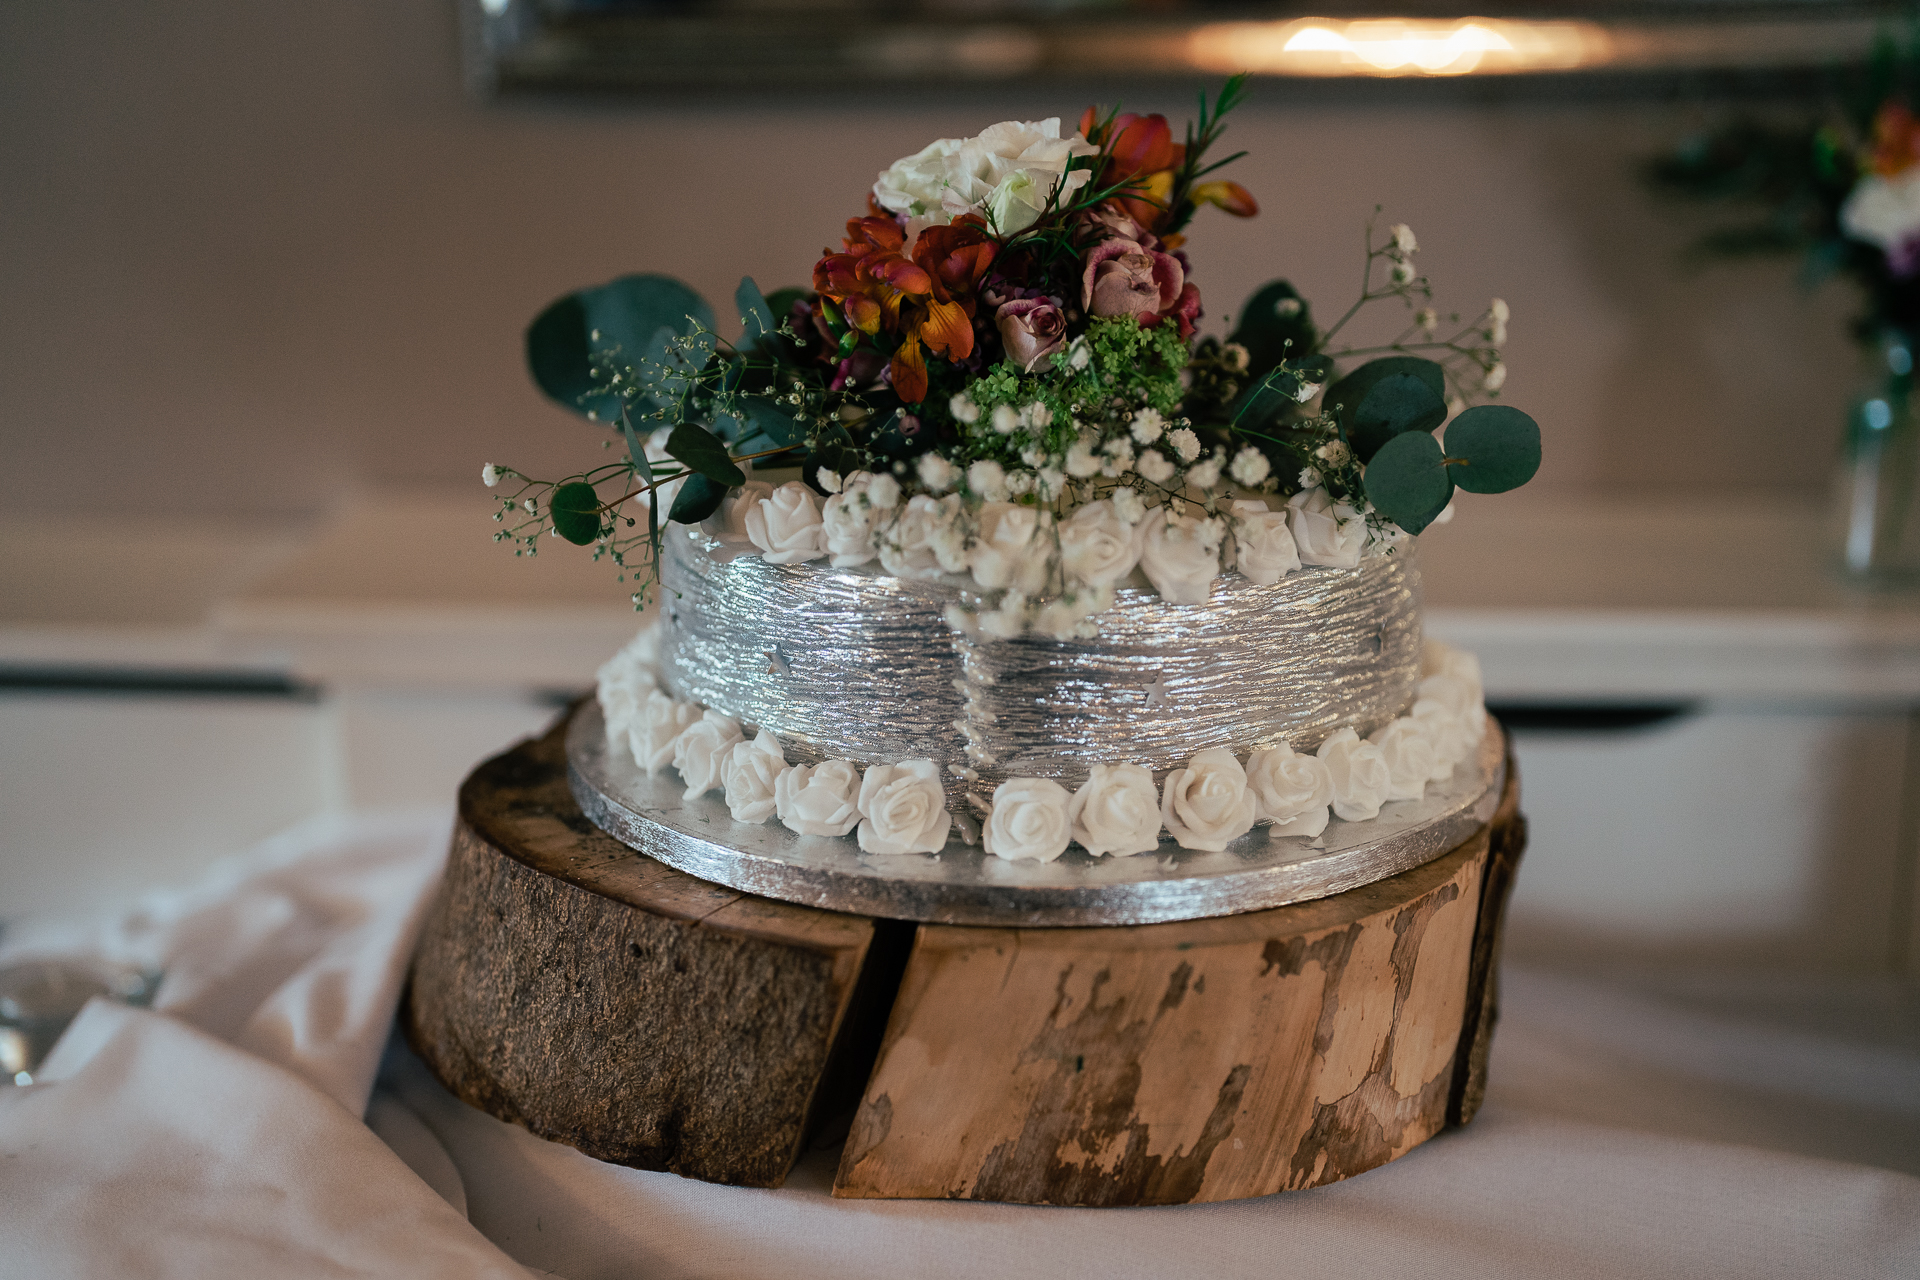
(1397, 46)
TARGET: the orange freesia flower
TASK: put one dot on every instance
(1231, 196)
(870, 277)
(1896, 140)
(1140, 149)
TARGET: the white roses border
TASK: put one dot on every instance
(901, 808)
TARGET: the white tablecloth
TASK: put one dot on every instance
(1696, 1126)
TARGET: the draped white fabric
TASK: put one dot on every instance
(1630, 1131)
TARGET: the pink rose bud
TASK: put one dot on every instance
(1032, 330)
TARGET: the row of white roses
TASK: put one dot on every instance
(901, 808)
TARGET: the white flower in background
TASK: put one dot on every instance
(1496, 377)
(1359, 773)
(1184, 443)
(1079, 355)
(1402, 273)
(847, 521)
(1250, 467)
(987, 480)
(949, 530)
(1326, 532)
(1155, 466)
(751, 770)
(1409, 754)
(1290, 790)
(1013, 547)
(657, 725)
(936, 473)
(1310, 478)
(963, 409)
(1235, 357)
(831, 482)
(818, 800)
(1066, 617)
(1008, 619)
(1116, 457)
(903, 808)
(621, 686)
(1427, 318)
(489, 475)
(1008, 173)
(728, 523)
(1098, 546)
(1403, 240)
(1884, 211)
(656, 450)
(531, 509)
(1208, 804)
(1148, 424)
(1499, 311)
(910, 547)
(1049, 483)
(786, 526)
(1205, 475)
(1082, 462)
(700, 752)
(1334, 453)
(1128, 505)
(1028, 820)
(1116, 811)
(1437, 657)
(1263, 546)
(1452, 741)
(1497, 317)
(1006, 419)
(1181, 556)
(1452, 677)
(883, 492)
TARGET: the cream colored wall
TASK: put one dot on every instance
(258, 254)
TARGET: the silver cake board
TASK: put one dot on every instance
(964, 885)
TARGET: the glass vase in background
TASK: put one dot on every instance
(1880, 470)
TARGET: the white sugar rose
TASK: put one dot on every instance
(1409, 755)
(1452, 740)
(1359, 773)
(1326, 532)
(1181, 556)
(1116, 811)
(1098, 545)
(621, 686)
(1468, 693)
(1290, 790)
(819, 800)
(1028, 820)
(903, 808)
(847, 519)
(927, 539)
(700, 752)
(1263, 545)
(660, 722)
(728, 523)
(1208, 804)
(786, 525)
(751, 770)
(1014, 547)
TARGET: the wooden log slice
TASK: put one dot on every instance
(1199, 1060)
(603, 1000)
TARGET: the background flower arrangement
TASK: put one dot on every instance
(998, 374)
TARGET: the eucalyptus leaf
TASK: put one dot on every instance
(636, 451)
(698, 498)
(558, 359)
(628, 314)
(702, 451)
(575, 510)
(1407, 481)
(1275, 325)
(780, 302)
(1386, 397)
(766, 417)
(1492, 448)
(755, 314)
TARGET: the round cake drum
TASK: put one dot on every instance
(963, 885)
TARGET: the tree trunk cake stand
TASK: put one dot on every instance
(606, 1000)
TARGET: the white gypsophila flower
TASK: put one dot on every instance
(1019, 483)
(1306, 391)
(1409, 754)
(1497, 334)
(1290, 790)
(818, 800)
(1116, 457)
(700, 752)
(1008, 619)
(1155, 466)
(1427, 319)
(1012, 550)
(1310, 478)
(1205, 475)
(1334, 453)
(1081, 461)
(1324, 531)
(1264, 549)
(786, 526)
(531, 509)
(1079, 355)
(1028, 820)
(1033, 455)
(1067, 617)
(847, 522)
(1036, 414)
(883, 491)
(1184, 443)
(1148, 424)
(1006, 419)
(1497, 309)
(728, 523)
(658, 723)
(1496, 377)
(963, 409)
(830, 480)
(987, 480)
(1287, 308)
(936, 473)
(1116, 811)
(1403, 239)
(1402, 273)
(656, 451)
(1181, 556)
(903, 808)
(489, 475)
(749, 774)
(1250, 467)
(907, 546)
(1098, 544)
(1208, 805)
(1049, 483)
(1359, 773)
(1235, 357)
(1129, 506)
(948, 533)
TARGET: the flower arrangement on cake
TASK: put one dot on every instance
(998, 380)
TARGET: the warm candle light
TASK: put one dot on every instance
(1397, 47)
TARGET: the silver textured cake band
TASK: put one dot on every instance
(963, 885)
(859, 665)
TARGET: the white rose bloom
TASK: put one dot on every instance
(903, 808)
(1116, 811)
(818, 800)
(658, 724)
(700, 752)
(1181, 557)
(1883, 211)
(1359, 773)
(1326, 532)
(1263, 547)
(622, 686)
(1014, 547)
(1028, 820)
(645, 646)
(1465, 695)
(1097, 544)
(1208, 805)
(786, 525)
(906, 548)
(1009, 170)
(749, 775)
(728, 523)
(1452, 740)
(1250, 467)
(1290, 790)
(847, 519)
(1409, 755)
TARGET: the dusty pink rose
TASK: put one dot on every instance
(1125, 278)
(1032, 329)
(1186, 310)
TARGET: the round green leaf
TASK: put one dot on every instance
(1399, 407)
(702, 451)
(558, 358)
(1492, 448)
(575, 509)
(1407, 480)
(628, 315)
(1275, 325)
(698, 498)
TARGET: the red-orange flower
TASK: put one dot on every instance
(1139, 150)
(1231, 196)
(1896, 140)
